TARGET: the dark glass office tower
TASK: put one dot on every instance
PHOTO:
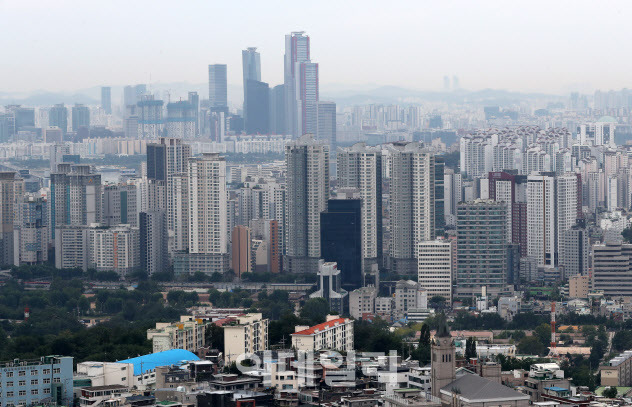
(341, 239)
(257, 107)
(58, 117)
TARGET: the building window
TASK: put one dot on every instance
(9, 394)
(46, 371)
(22, 383)
(56, 370)
(9, 384)
(34, 382)
(46, 381)
(9, 374)
(22, 373)
(46, 391)
(34, 372)
(22, 393)
(34, 392)
(56, 380)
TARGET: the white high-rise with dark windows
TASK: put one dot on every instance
(307, 192)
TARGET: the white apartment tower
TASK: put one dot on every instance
(360, 167)
(207, 205)
(306, 197)
(412, 204)
(435, 267)
(541, 235)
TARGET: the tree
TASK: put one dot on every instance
(531, 345)
(543, 333)
(610, 392)
(627, 234)
(315, 310)
(437, 301)
(470, 349)
(422, 353)
(214, 337)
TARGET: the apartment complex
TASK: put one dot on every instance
(335, 334)
(434, 267)
(187, 334)
(612, 269)
(248, 334)
(47, 380)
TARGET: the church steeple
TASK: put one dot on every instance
(443, 357)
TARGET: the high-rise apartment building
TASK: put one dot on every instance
(153, 242)
(435, 267)
(217, 86)
(277, 110)
(541, 235)
(121, 205)
(511, 188)
(574, 246)
(452, 194)
(307, 191)
(207, 207)
(165, 159)
(482, 247)
(412, 204)
(80, 116)
(75, 196)
(11, 193)
(150, 118)
(58, 117)
(33, 233)
(106, 99)
(113, 249)
(181, 120)
(341, 240)
(439, 196)
(360, 167)
(241, 250)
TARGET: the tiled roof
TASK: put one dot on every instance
(320, 327)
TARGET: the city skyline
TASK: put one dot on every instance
(535, 49)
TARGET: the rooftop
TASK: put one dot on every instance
(475, 388)
(146, 363)
(321, 327)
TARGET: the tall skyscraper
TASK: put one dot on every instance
(341, 239)
(80, 117)
(277, 110)
(181, 120)
(327, 123)
(252, 64)
(307, 191)
(439, 196)
(153, 242)
(301, 86)
(217, 86)
(481, 247)
(257, 107)
(412, 207)
(106, 99)
(11, 192)
(360, 167)
(58, 117)
(120, 205)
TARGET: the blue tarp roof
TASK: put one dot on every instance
(555, 388)
(145, 363)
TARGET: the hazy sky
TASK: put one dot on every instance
(552, 46)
